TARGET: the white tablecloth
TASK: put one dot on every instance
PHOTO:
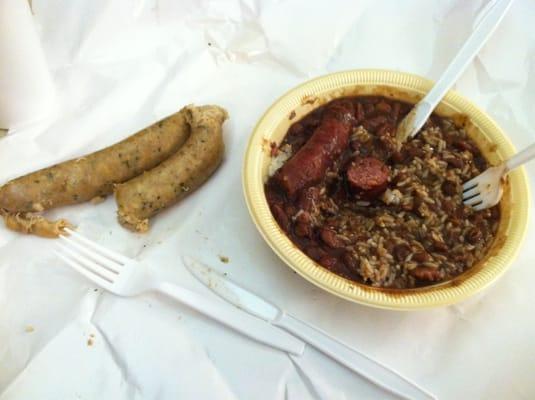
(120, 65)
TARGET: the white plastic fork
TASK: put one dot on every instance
(123, 276)
(485, 190)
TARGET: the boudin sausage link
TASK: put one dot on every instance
(172, 180)
(310, 163)
(94, 175)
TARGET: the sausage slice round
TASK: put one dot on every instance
(368, 176)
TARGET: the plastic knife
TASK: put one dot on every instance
(350, 358)
(484, 25)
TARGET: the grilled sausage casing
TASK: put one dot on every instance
(309, 164)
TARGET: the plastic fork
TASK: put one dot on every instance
(123, 276)
(485, 190)
(485, 24)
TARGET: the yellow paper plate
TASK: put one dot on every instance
(292, 106)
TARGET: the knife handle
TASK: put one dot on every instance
(235, 319)
(487, 21)
(352, 359)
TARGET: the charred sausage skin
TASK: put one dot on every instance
(309, 164)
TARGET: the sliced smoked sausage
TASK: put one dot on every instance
(368, 176)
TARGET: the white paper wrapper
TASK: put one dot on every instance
(26, 89)
(120, 65)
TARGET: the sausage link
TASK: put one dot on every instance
(310, 163)
(94, 175)
(142, 197)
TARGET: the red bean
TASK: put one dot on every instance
(328, 261)
(401, 251)
(280, 216)
(315, 252)
(441, 247)
(351, 262)
(368, 108)
(449, 188)
(426, 273)
(464, 145)
(474, 235)
(330, 238)
(373, 123)
(383, 107)
(421, 256)
(455, 162)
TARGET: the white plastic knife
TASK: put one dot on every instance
(350, 358)
(484, 25)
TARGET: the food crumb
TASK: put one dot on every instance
(266, 145)
(90, 342)
(292, 115)
(308, 100)
(274, 149)
(97, 200)
(209, 44)
(224, 259)
(29, 329)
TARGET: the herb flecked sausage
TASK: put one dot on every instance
(89, 177)
(176, 177)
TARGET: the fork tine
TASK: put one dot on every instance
(104, 251)
(481, 206)
(88, 264)
(470, 193)
(470, 184)
(85, 272)
(112, 265)
(473, 200)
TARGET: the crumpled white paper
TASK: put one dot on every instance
(120, 65)
(25, 83)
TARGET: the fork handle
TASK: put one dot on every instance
(254, 328)
(520, 158)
